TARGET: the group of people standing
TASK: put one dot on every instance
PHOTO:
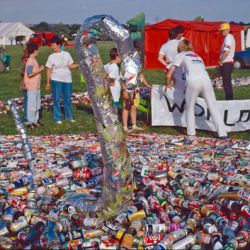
(119, 90)
(185, 67)
(58, 78)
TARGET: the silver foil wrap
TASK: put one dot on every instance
(118, 177)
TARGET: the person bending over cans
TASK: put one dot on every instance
(198, 82)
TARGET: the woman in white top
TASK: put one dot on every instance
(59, 76)
(198, 82)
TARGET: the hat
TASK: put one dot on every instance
(225, 26)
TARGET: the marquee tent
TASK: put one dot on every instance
(9, 32)
(205, 37)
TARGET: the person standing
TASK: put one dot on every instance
(131, 97)
(113, 73)
(167, 53)
(24, 60)
(226, 60)
(59, 77)
(32, 81)
(198, 82)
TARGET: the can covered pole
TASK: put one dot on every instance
(118, 175)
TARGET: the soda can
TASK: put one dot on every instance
(127, 241)
(242, 238)
(19, 224)
(54, 214)
(202, 238)
(66, 172)
(9, 214)
(208, 226)
(110, 244)
(138, 215)
(47, 181)
(82, 174)
(184, 244)
(76, 164)
(89, 245)
(33, 219)
(62, 182)
(245, 211)
(244, 195)
(90, 234)
(231, 244)
(217, 240)
(3, 229)
(149, 240)
(22, 235)
(92, 222)
(174, 226)
(20, 191)
(135, 227)
(152, 229)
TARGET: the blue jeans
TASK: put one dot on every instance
(25, 101)
(64, 89)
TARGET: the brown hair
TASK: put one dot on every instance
(113, 53)
(185, 45)
(57, 40)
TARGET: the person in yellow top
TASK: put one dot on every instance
(32, 81)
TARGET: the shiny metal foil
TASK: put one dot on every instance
(118, 177)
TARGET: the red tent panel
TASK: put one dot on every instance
(205, 37)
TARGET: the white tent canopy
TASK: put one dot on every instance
(9, 32)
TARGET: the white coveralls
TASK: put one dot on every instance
(198, 82)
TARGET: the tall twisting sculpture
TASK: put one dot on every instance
(118, 176)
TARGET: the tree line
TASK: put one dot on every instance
(59, 28)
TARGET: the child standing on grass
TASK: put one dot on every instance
(112, 70)
(131, 98)
(32, 80)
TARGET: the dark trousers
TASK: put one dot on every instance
(226, 71)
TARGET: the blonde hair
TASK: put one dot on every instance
(185, 45)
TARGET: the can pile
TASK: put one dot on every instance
(187, 195)
(46, 100)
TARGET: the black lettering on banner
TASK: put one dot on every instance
(202, 110)
(242, 113)
(208, 115)
(172, 108)
(225, 119)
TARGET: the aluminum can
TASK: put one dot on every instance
(149, 240)
(9, 214)
(19, 224)
(184, 244)
(152, 229)
(92, 222)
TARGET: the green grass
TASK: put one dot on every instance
(10, 87)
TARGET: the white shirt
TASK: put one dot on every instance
(228, 45)
(169, 49)
(59, 63)
(113, 72)
(192, 65)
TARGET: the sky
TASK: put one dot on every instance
(76, 11)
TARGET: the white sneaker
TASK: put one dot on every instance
(125, 129)
(58, 122)
(135, 127)
(73, 121)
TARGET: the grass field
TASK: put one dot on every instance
(10, 81)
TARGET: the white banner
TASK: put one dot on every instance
(168, 109)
